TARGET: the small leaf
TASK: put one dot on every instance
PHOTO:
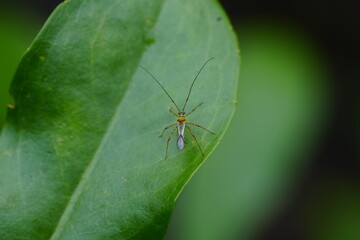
(80, 153)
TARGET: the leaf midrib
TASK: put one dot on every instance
(89, 169)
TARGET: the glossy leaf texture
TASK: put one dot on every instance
(80, 153)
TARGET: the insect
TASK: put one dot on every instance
(181, 123)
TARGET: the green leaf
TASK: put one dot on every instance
(80, 153)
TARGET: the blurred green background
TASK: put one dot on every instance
(288, 168)
(17, 30)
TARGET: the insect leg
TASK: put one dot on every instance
(167, 144)
(194, 109)
(170, 110)
(192, 134)
(166, 128)
(197, 125)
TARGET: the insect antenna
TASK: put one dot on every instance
(161, 87)
(187, 98)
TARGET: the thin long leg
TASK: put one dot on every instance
(194, 109)
(197, 125)
(167, 143)
(192, 134)
(166, 128)
(170, 110)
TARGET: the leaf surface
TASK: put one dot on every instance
(80, 153)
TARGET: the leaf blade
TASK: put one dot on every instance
(84, 137)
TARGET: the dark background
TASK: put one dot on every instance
(334, 26)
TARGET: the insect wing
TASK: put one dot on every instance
(181, 129)
(180, 142)
(181, 132)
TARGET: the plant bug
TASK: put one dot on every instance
(181, 123)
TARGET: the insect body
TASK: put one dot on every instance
(181, 123)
